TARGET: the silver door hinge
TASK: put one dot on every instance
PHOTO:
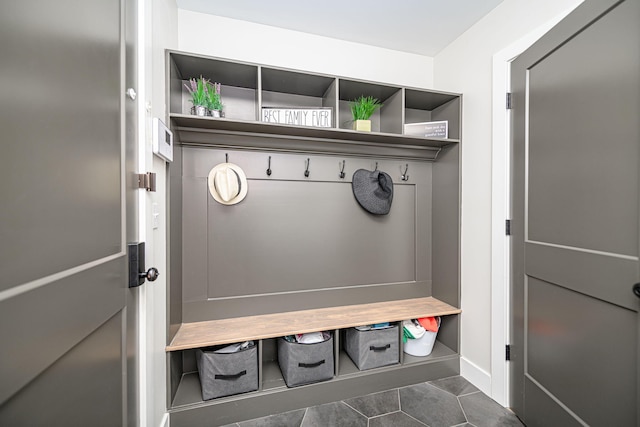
(507, 227)
(147, 181)
(509, 106)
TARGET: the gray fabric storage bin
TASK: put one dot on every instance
(305, 363)
(227, 374)
(373, 348)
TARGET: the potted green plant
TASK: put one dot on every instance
(198, 90)
(214, 100)
(362, 109)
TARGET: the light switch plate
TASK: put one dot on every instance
(155, 216)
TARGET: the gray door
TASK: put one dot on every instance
(576, 154)
(67, 209)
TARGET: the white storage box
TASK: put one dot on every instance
(423, 345)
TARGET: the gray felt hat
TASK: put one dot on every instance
(373, 191)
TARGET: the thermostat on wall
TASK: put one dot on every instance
(162, 140)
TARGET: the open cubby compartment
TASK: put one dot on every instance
(387, 119)
(346, 367)
(439, 351)
(239, 84)
(292, 89)
(446, 344)
(428, 106)
(271, 377)
(185, 382)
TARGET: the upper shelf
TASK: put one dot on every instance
(248, 88)
(189, 121)
(225, 331)
(223, 133)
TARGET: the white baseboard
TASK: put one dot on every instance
(476, 376)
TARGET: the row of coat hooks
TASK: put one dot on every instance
(403, 177)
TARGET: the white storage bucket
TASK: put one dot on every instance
(423, 345)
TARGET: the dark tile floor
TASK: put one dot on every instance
(442, 403)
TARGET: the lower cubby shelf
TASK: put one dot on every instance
(347, 368)
(271, 376)
(189, 410)
(189, 393)
(439, 351)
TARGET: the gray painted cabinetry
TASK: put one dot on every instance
(300, 242)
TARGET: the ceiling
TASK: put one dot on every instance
(423, 27)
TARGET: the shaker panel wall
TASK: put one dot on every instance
(293, 235)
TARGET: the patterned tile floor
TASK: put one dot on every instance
(442, 403)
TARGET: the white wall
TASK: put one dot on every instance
(160, 32)
(262, 44)
(466, 66)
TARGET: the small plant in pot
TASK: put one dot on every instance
(214, 100)
(362, 109)
(198, 89)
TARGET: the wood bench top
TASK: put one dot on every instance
(238, 329)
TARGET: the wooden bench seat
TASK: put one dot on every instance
(224, 331)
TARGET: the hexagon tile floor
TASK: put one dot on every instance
(442, 403)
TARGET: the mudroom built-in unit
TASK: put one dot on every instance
(270, 237)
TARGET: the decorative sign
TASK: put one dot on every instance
(428, 129)
(314, 117)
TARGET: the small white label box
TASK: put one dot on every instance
(428, 129)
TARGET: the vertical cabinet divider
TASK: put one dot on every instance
(391, 114)
(336, 352)
(259, 95)
(330, 99)
(403, 116)
(337, 112)
(260, 366)
(401, 346)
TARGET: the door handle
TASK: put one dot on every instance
(636, 289)
(151, 274)
(137, 273)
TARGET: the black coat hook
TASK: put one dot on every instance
(306, 172)
(405, 175)
(269, 167)
(226, 157)
(376, 167)
(342, 170)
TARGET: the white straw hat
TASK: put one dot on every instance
(227, 183)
